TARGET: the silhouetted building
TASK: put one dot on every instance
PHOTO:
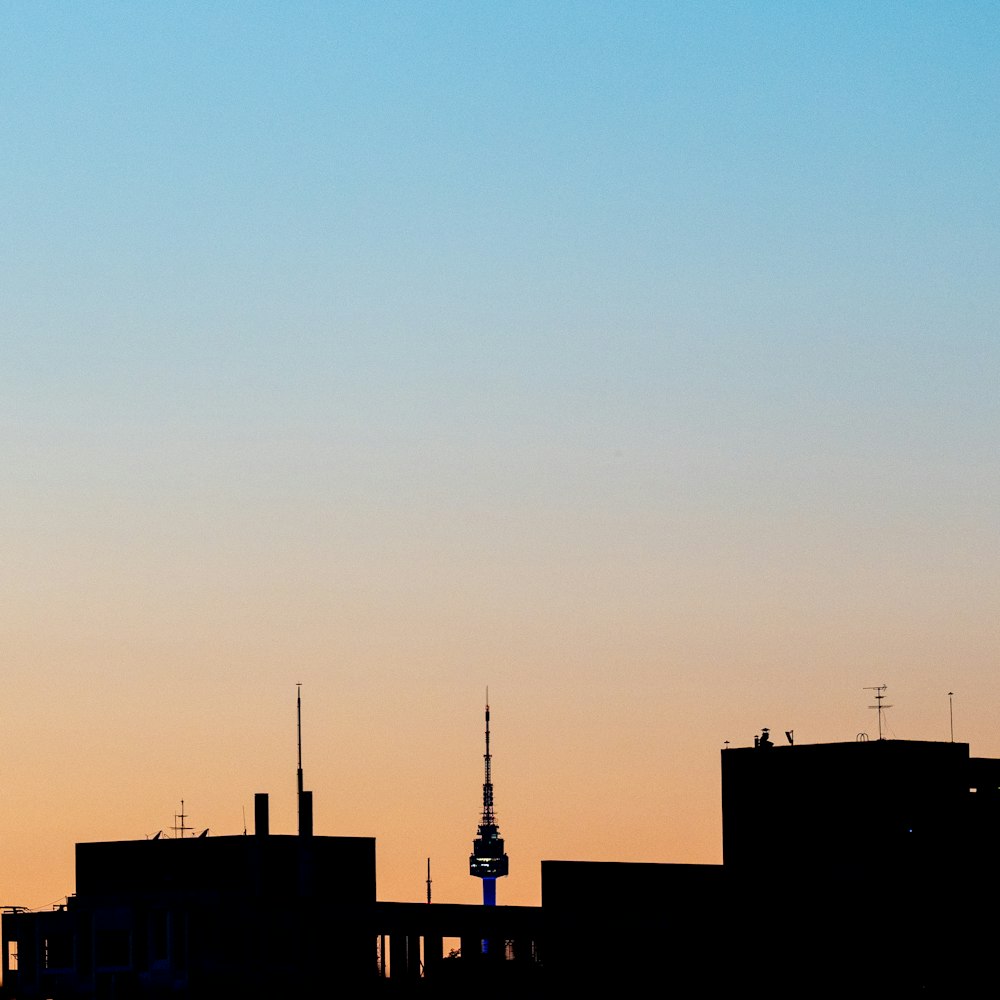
(253, 916)
(870, 859)
(632, 929)
(200, 917)
(844, 808)
(863, 869)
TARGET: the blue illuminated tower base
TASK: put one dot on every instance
(489, 892)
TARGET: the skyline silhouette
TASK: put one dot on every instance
(816, 827)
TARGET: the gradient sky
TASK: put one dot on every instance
(639, 361)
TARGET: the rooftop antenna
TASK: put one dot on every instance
(304, 798)
(951, 715)
(428, 880)
(298, 711)
(180, 827)
(878, 706)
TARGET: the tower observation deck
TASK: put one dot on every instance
(488, 860)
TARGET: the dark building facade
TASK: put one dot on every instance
(201, 917)
(869, 861)
(255, 916)
(861, 869)
(844, 808)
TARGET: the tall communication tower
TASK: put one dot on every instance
(488, 860)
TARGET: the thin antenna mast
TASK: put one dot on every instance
(878, 706)
(298, 710)
(305, 799)
(428, 880)
(951, 714)
(179, 824)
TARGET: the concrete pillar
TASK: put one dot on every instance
(397, 957)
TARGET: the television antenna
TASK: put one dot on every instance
(879, 690)
(180, 826)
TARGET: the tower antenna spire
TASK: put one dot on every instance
(488, 817)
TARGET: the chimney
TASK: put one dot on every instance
(306, 814)
(261, 821)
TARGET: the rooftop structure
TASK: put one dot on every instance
(202, 916)
(849, 808)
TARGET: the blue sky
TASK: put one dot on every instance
(637, 360)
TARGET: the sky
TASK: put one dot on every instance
(637, 361)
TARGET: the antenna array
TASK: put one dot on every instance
(879, 690)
